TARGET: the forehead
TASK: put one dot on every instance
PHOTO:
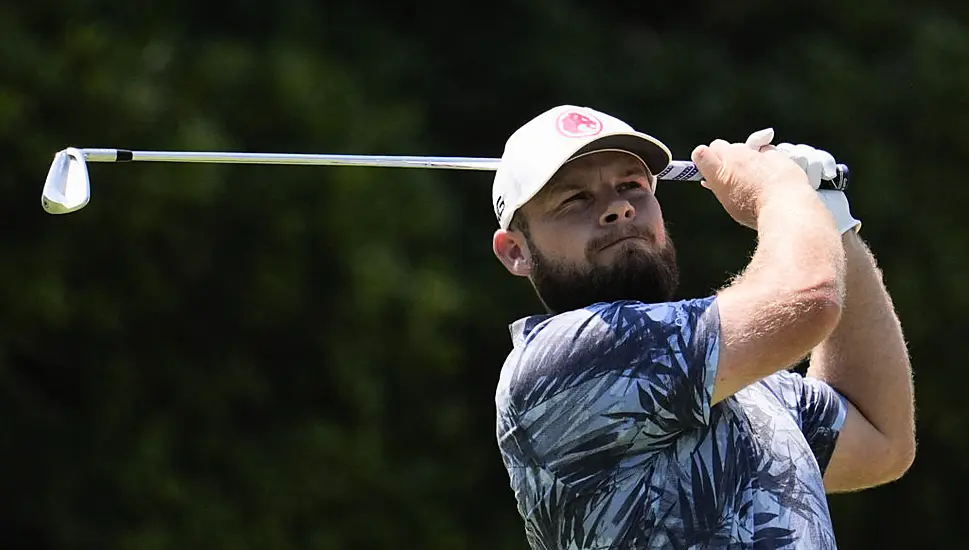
(595, 167)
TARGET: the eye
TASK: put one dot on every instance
(574, 197)
(633, 184)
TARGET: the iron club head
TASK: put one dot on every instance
(67, 188)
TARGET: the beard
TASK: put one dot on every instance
(637, 274)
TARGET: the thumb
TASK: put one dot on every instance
(708, 162)
(760, 138)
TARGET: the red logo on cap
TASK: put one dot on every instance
(577, 124)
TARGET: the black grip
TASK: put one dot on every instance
(840, 181)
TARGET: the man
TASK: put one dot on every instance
(630, 420)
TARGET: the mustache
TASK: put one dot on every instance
(597, 243)
(647, 276)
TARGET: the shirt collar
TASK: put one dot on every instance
(521, 328)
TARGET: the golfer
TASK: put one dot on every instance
(630, 419)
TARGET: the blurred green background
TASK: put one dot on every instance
(243, 357)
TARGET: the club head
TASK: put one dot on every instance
(67, 188)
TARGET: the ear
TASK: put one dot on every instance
(512, 251)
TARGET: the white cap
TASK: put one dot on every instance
(536, 151)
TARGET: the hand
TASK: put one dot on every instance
(741, 175)
(818, 165)
(837, 203)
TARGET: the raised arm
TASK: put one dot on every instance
(789, 298)
(866, 360)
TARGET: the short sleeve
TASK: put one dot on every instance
(823, 411)
(819, 409)
(610, 379)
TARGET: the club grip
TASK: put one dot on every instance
(840, 181)
(684, 170)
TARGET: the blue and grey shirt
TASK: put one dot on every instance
(606, 428)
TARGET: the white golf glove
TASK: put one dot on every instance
(818, 165)
(837, 203)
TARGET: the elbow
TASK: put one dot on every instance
(904, 458)
(827, 287)
(822, 288)
(821, 301)
(897, 461)
(827, 299)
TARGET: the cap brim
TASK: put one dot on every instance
(646, 148)
(653, 153)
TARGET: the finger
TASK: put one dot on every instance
(829, 166)
(708, 161)
(814, 171)
(812, 164)
(719, 145)
(794, 153)
(806, 157)
(760, 138)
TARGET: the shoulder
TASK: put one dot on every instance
(612, 321)
(609, 337)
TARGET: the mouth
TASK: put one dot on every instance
(625, 239)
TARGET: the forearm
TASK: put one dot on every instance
(798, 265)
(790, 296)
(865, 357)
(797, 243)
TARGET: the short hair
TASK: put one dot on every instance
(519, 223)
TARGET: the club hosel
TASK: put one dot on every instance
(107, 155)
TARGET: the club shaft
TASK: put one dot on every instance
(457, 163)
(678, 170)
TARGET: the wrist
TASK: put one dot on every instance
(792, 206)
(837, 204)
(787, 196)
(854, 244)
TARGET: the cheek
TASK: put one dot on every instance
(654, 217)
(649, 213)
(561, 242)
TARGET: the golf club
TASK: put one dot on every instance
(68, 188)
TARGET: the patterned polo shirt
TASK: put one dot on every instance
(606, 428)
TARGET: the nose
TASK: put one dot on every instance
(618, 211)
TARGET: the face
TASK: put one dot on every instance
(595, 233)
